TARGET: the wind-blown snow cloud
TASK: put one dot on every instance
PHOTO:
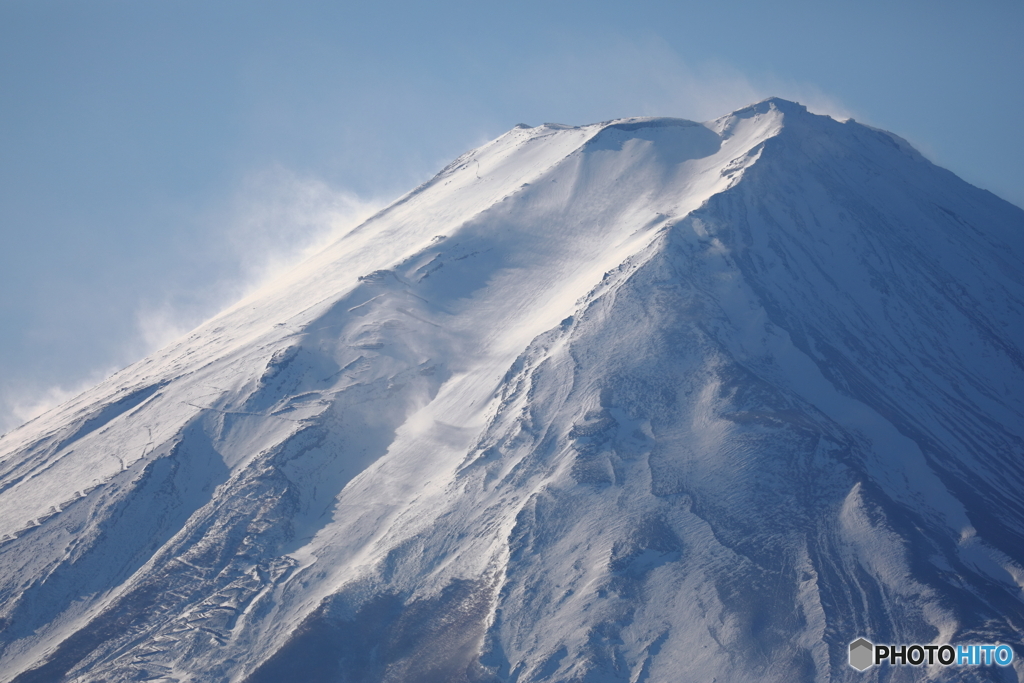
(279, 218)
(274, 220)
(20, 402)
(619, 77)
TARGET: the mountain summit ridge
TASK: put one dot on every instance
(642, 400)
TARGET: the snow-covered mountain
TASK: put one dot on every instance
(648, 400)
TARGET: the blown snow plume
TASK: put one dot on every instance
(647, 400)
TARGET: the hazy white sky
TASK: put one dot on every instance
(159, 157)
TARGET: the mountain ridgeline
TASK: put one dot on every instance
(642, 401)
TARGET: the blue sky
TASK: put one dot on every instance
(160, 157)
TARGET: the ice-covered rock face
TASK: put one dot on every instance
(647, 400)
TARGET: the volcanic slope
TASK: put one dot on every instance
(647, 400)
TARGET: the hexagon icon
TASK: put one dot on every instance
(861, 654)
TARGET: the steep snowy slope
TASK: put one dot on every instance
(647, 400)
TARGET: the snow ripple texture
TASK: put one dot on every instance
(647, 400)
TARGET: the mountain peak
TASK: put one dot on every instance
(644, 399)
(770, 104)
